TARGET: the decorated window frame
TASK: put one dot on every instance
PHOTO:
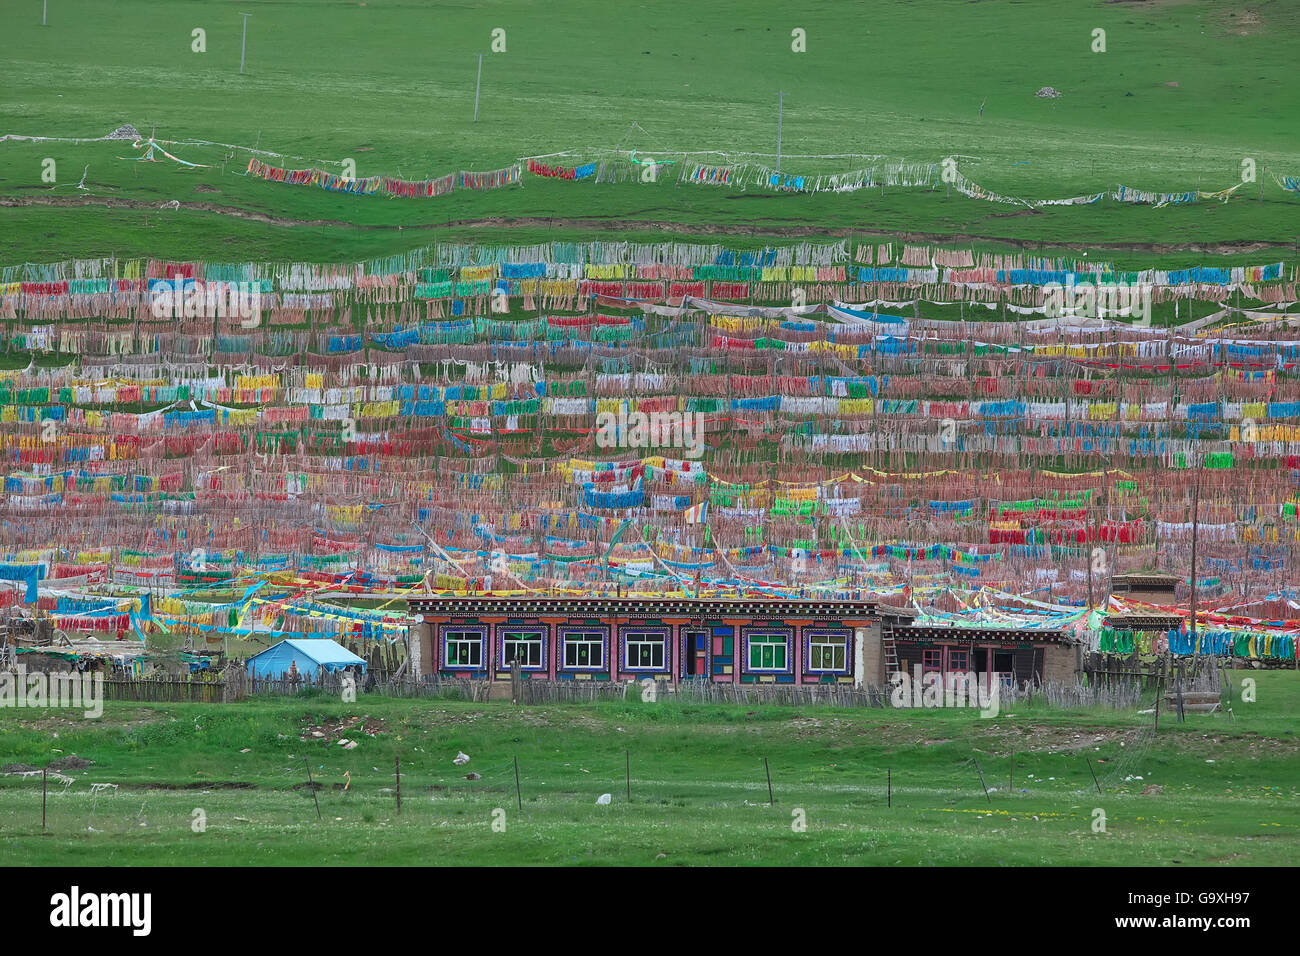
(650, 637)
(592, 638)
(778, 640)
(467, 637)
(529, 634)
(817, 644)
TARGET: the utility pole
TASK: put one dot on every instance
(780, 109)
(1087, 559)
(1196, 509)
(243, 43)
(477, 84)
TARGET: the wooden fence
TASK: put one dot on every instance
(820, 695)
(334, 685)
(167, 690)
(1194, 673)
(1106, 682)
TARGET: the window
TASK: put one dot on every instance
(826, 652)
(462, 648)
(767, 652)
(644, 650)
(526, 646)
(958, 659)
(584, 649)
(932, 660)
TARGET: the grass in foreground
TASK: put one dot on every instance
(1217, 789)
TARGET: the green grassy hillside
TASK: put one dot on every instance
(1184, 92)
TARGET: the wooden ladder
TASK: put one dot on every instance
(891, 657)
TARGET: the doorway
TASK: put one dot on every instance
(695, 661)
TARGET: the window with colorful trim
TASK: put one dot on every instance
(767, 652)
(461, 648)
(958, 659)
(932, 659)
(644, 650)
(526, 646)
(584, 649)
(827, 652)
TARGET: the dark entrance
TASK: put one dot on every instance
(695, 658)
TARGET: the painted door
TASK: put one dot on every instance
(695, 653)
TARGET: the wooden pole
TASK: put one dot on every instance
(770, 799)
(1160, 692)
(43, 789)
(243, 43)
(397, 772)
(628, 755)
(518, 792)
(982, 783)
(1087, 557)
(780, 110)
(1178, 686)
(478, 83)
(889, 788)
(1094, 774)
(312, 787)
(1196, 510)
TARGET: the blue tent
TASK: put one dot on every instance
(311, 656)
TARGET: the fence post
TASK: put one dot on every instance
(1182, 716)
(982, 783)
(311, 785)
(1160, 692)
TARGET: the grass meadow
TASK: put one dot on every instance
(1182, 94)
(881, 787)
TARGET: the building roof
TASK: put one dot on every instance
(987, 633)
(320, 649)
(1145, 579)
(583, 606)
(1145, 620)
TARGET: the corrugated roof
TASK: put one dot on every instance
(320, 649)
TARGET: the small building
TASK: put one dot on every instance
(1138, 631)
(1006, 654)
(746, 641)
(312, 655)
(1146, 587)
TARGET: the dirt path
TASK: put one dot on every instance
(1236, 247)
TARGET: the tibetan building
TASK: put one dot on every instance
(760, 641)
